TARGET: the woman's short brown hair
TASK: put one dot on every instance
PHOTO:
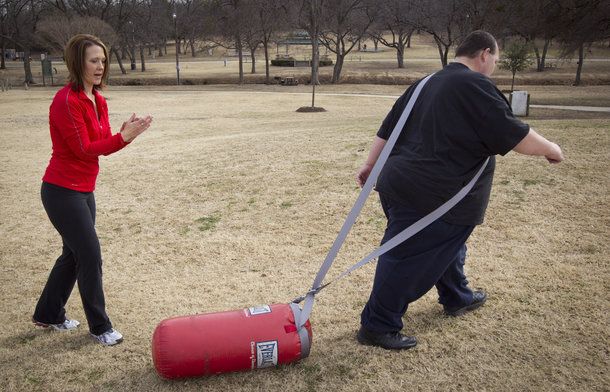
(74, 55)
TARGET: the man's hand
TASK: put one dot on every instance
(555, 155)
(363, 174)
(365, 170)
(535, 144)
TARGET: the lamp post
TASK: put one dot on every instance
(177, 49)
(133, 45)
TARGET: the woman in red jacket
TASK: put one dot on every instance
(80, 133)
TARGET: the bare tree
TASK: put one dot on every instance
(532, 20)
(3, 32)
(444, 20)
(161, 22)
(231, 18)
(192, 14)
(345, 23)
(56, 30)
(20, 28)
(394, 20)
(309, 18)
(270, 16)
(582, 23)
(117, 13)
(252, 32)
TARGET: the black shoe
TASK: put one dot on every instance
(478, 299)
(388, 340)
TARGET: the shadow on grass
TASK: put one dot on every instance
(73, 340)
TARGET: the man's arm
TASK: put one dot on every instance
(365, 170)
(535, 144)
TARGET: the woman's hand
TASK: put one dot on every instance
(133, 127)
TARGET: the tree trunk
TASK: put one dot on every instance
(359, 45)
(132, 57)
(192, 45)
(26, 66)
(512, 86)
(539, 67)
(142, 61)
(545, 49)
(160, 54)
(409, 39)
(315, 57)
(241, 58)
(266, 48)
(314, 31)
(376, 43)
(339, 61)
(337, 68)
(442, 55)
(150, 50)
(123, 53)
(253, 71)
(2, 51)
(581, 58)
(165, 45)
(118, 59)
(400, 55)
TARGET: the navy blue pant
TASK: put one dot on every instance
(434, 256)
(72, 214)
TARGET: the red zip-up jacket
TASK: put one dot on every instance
(79, 137)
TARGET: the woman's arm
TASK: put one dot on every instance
(69, 118)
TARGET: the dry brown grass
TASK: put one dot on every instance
(232, 199)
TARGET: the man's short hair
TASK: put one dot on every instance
(474, 42)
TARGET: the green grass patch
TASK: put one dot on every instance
(286, 204)
(208, 222)
(528, 182)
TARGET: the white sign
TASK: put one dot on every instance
(519, 103)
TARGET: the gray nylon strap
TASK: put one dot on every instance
(396, 240)
(303, 334)
(415, 227)
(364, 194)
(366, 190)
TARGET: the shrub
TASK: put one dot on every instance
(516, 59)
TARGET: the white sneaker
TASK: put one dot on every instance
(67, 325)
(109, 338)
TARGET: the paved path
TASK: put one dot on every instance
(577, 108)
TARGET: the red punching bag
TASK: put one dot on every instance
(246, 339)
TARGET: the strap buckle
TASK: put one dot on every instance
(312, 291)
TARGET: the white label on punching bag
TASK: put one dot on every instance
(266, 354)
(259, 309)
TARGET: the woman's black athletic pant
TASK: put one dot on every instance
(73, 215)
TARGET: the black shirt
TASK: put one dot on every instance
(459, 119)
